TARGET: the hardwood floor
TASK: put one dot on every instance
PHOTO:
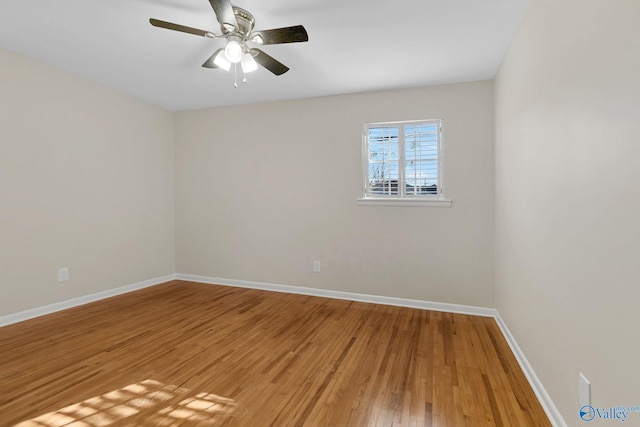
(188, 354)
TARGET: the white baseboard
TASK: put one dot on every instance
(543, 397)
(63, 305)
(375, 299)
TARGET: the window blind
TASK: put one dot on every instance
(403, 159)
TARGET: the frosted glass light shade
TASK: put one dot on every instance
(233, 51)
(248, 63)
(221, 61)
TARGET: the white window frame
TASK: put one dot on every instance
(402, 199)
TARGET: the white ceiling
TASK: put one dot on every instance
(354, 45)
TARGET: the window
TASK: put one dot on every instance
(402, 161)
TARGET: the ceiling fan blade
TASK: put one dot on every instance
(224, 14)
(294, 34)
(181, 28)
(209, 62)
(273, 65)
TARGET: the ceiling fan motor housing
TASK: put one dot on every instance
(245, 22)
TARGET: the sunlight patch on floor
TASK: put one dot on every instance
(155, 399)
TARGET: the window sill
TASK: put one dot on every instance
(435, 203)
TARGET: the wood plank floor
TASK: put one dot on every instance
(188, 354)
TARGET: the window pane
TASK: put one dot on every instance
(415, 188)
(384, 148)
(383, 144)
(421, 155)
(383, 178)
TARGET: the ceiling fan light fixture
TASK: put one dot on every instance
(221, 61)
(248, 63)
(233, 51)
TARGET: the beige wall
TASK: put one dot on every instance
(568, 198)
(86, 182)
(263, 190)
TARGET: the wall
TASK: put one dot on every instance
(86, 182)
(567, 198)
(263, 190)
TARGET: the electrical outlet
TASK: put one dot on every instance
(316, 266)
(63, 274)
(584, 390)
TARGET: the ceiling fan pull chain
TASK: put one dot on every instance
(235, 75)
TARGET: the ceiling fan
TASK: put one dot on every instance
(236, 25)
